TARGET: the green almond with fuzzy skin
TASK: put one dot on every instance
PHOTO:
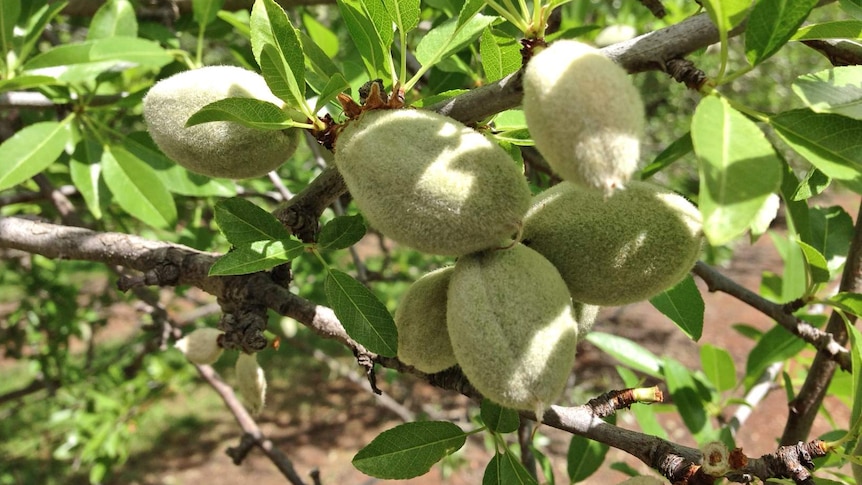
(584, 114)
(512, 326)
(220, 148)
(617, 250)
(431, 183)
(423, 340)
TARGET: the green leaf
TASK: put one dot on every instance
(584, 458)
(840, 29)
(684, 305)
(796, 210)
(257, 256)
(738, 169)
(205, 11)
(319, 36)
(26, 82)
(117, 50)
(340, 233)
(815, 183)
(645, 415)
(498, 418)
(794, 277)
(448, 38)
(365, 38)
(137, 189)
(86, 173)
(405, 13)
(853, 7)
(505, 469)
(817, 269)
(251, 112)
(116, 18)
(242, 222)
(31, 150)
(409, 450)
(278, 77)
(627, 352)
(501, 54)
(175, 177)
(726, 14)
(718, 366)
(832, 143)
(238, 20)
(9, 12)
(337, 84)
(856, 358)
(35, 24)
(468, 10)
(837, 90)
(318, 61)
(771, 24)
(363, 316)
(683, 389)
(831, 233)
(679, 148)
(774, 346)
(382, 21)
(271, 30)
(849, 302)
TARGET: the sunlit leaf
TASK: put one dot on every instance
(837, 90)
(501, 54)
(627, 352)
(205, 11)
(839, 29)
(448, 38)
(115, 18)
(251, 112)
(137, 189)
(31, 150)
(242, 222)
(718, 366)
(257, 256)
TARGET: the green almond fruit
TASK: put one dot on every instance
(617, 250)
(220, 148)
(512, 327)
(584, 114)
(423, 340)
(431, 183)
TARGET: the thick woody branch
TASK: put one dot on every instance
(822, 341)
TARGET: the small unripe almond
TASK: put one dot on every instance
(423, 340)
(251, 382)
(626, 248)
(220, 148)
(584, 114)
(512, 328)
(431, 183)
(201, 346)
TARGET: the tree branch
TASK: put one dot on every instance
(805, 406)
(825, 342)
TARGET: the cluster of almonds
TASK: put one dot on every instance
(531, 272)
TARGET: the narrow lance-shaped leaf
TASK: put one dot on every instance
(86, 173)
(242, 222)
(832, 143)
(137, 189)
(837, 90)
(584, 458)
(35, 24)
(738, 169)
(771, 24)
(270, 27)
(405, 13)
(9, 11)
(257, 256)
(684, 305)
(685, 395)
(251, 112)
(409, 450)
(816, 263)
(449, 37)
(629, 353)
(31, 150)
(278, 77)
(205, 11)
(363, 316)
(679, 148)
(365, 38)
(839, 29)
(501, 55)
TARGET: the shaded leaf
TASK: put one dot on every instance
(771, 24)
(774, 346)
(499, 419)
(644, 414)
(817, 269)
(365, 38)
(136, 188)
(837, 90)
(409, 450)
(815, 183)
(31, 150)
(86, 173)
(505, 469)
(738, 169)
(341, 232)
(683, 390)
(832, 143)
(584, 458)
(9, 12)
(849, 302)
(679, 148)
(243, 223)
(831, 233)
(684, 305)
(363, 316)
(205, 11)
